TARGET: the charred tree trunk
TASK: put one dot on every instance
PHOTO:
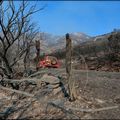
(71, 82)
(9, 71)
(37, 53)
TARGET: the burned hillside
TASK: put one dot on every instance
(100, 53)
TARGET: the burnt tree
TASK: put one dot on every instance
(37, 51)
(71, 82)
(13, 27)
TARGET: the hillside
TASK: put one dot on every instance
(100, 53)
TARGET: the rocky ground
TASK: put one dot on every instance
(98, 96)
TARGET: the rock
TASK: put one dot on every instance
(64, 75)
(57, 90)
(91, 58)
(104, 69)
(50, 79)
(92, 68)
(53, 86)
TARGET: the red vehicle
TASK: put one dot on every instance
(49, 62)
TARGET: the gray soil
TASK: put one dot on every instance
(104, 86)
(95, 85)
(96, 90)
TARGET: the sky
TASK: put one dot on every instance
(89, 17)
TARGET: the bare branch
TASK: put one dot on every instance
(17, 91)
(92, 110)
(13, 27)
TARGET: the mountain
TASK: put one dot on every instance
(58, 42)
(51, 43)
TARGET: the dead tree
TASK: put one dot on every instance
(29, 43)
(13, 26)
(71, 82)
(38, 51)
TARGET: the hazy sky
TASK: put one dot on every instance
(92, 18)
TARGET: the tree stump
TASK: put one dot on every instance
(71, 82)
